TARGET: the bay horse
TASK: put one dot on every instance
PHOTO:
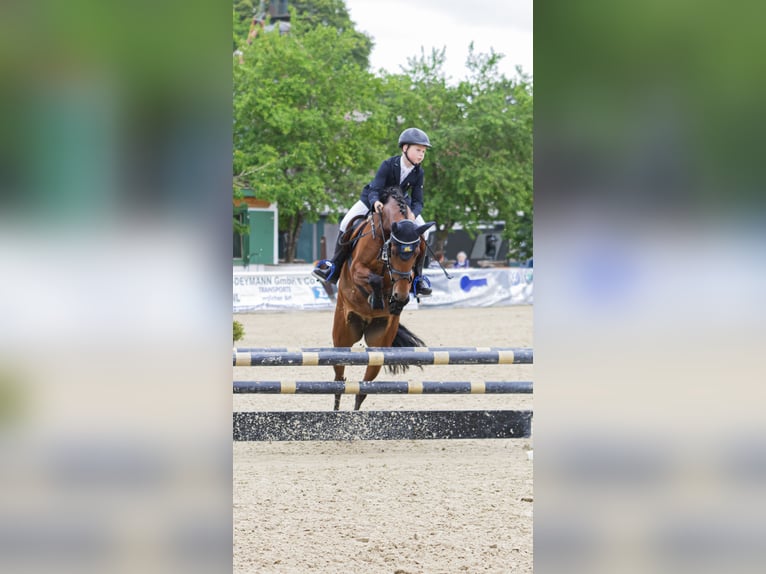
(374, 284)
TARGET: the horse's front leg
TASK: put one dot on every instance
(380, 333)
(365, 277)
(346, 330)
(358, 401)
(369, 283)
(376, 298)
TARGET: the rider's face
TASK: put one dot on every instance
(415, 152)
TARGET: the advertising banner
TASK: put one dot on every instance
(298, 290)
(480, 287)
(275, 291)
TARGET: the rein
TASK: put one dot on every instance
(385, 252)
(358, 233)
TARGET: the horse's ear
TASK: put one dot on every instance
(422, 229)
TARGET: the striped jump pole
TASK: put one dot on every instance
(382, 387)
(251, 357)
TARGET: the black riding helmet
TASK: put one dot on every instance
(414, 136)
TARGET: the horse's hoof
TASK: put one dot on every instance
(395, 306)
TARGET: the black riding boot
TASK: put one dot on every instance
(328, 270)
(421, 286)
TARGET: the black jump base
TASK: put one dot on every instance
(380, 425)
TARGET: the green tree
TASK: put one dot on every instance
(333, 13)
(244, 11)
(312, 13)
(302, 114)
(312, 125)
(480, 168)
(492, 169)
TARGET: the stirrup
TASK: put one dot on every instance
(323, 274)
(416, 286)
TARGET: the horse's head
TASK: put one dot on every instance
(402, 247)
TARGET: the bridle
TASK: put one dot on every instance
(386, 254)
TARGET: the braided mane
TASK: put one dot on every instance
(396, 192)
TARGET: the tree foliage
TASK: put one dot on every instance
(334, 14)
(312, 125)
(480, 167)
(490, 164)
(298, 138)
(244, 11)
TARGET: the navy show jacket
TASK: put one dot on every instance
(388, 174)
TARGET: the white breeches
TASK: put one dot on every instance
(359, 208)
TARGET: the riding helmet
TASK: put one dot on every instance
(414, 136)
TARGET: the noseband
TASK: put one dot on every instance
(405, 247)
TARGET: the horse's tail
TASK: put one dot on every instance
(404, 338)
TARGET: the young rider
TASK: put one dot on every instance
(403, 170)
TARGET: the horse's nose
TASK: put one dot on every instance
(400, 297)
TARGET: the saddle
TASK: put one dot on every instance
(351, 237)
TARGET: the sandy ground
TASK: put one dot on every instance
(405, 507)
